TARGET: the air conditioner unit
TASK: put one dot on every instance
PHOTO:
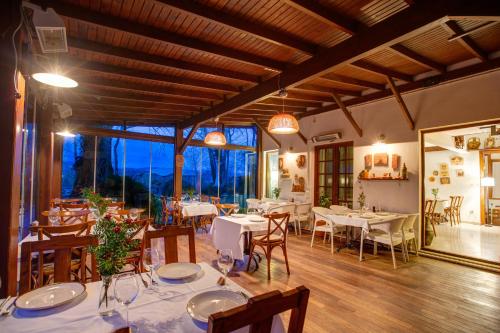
(49, 28)
(327, 137)
(64, 110)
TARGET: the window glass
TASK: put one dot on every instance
(191, 171)
(77, 165)
(110, 167)
(137, 173)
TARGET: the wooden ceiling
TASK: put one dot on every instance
(187, 62)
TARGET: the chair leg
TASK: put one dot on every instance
(295, 226)
(375, 248)
(415, 245)
(433, 228)
(324, 238)
(268, 256)
(283, 247)
(314, 231)
(250, 256)
(300, 228)
(361, 246)
(331, 241)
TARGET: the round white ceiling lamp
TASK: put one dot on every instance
(215, 138)
(55, 80)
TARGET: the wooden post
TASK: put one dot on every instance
(347, 114)
(11, 114)
(260, 163)
(57, 167)
(45, 153)
(401, 102)
(179, 161)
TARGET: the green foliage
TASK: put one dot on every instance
(361, 199)
(276, 192)
(435, 192)
(190, 191)
(115, 238)
(324, 201)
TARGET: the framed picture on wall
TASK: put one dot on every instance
(444, 180)
(443, 167)
(381, 159)
(457, 160)
(460, 172)
(435, 173)
(445, 173)
(395, 161)
(432, 179)
(368, 161)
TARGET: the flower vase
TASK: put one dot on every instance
(107, 296)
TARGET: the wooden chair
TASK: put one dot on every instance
(164, 210)
(73, 206)
(215, 200)
(430, 206)
(260, 310)
(62, 268)
(458, 208)
(449, 212)
(175, 212)
(169, 235)
(277, 231)
(50, 231)
(116, 205)
(225, 209)
(58, 201)
(71, 217)
(134, 256)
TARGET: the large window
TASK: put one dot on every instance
(78, 157)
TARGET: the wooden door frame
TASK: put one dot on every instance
(482, 154)
(335, 171)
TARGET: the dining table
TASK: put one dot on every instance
(235, 232)
(161, 311)
(195, 208)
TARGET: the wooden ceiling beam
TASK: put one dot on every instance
(401, 102)
(113, 22)
(475, 29)
(78, 64)
(410, 22)
(245, 112)
(138, 96)
(418, 58)
(301, 96)
(157, 89)
(289, 102)
(129, 109)
(82, 111)
(383, 71)
(325, 15)
(263, 128)
(274, 107)
(256, 29)
(187, 140)
(152, 59)
(416, 85)
(328, 90)
(466, 41)
(353, 81)
(347, 114)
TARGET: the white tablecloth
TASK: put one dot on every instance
(159, 312)
(198, 209)
(227, 233)
(355, 220)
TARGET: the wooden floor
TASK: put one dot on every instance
(424, 295)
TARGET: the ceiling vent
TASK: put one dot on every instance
(327, 137)
(50, 29)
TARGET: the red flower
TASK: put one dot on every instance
(128, 221)
(117, 229)
(107, 216)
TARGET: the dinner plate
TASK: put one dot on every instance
(256, 218)
(178, 270)
(201, 306)
(50, 296)
(238, 215)
(383, 213)
(367, 216)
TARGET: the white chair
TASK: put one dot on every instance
(252, 205)
(302, 213)
(320, 215)
(388, 232)
(289, 208)
(409, 233)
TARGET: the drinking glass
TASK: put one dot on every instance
(236, 208)
(126, 291)
(225, 261)
(133, 214)
(54, 216)
(148, 259)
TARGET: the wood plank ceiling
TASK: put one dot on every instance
(185, 62)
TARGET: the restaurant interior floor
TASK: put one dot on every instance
(424, 295)
(468, 239)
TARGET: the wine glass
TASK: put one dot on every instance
(225, 261)
(54, 216)
(236, 208)
(126, 291)
(133, 214)
(148, 259)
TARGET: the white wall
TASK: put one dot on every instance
(467, 186)
(472, 99)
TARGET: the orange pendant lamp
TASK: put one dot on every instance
(215, 138)
(283, 123)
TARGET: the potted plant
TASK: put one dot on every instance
(435, 192)
(190, 191)
(115, 242)
(276, 192)
(361, 200)
(324, 201)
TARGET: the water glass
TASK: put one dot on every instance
(54, 216)
(126, 291)
(149, 258)
(236, 208)
(225, 261)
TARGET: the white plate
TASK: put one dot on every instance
(178, 270)
(382, 213)
(367, 216)
(201, 306)
(238, 215)
(256, 218)
(50, 296)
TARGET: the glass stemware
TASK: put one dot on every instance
(133, 214)
(54, 216)
(126, 291)
(236, 208)
(225, 261)
(148, 260)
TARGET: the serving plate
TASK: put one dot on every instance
(178, 270)
(238, 215)
(201, 306)
(50, 296)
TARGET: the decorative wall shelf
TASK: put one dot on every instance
(386, 179)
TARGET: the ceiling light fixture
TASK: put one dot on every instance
(283, 123)
(55, 80)
(215, 138)
(66, 133)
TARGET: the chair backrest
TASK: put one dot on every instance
(303, 209)
(50, 231)
(164, 205)
(430, 206)
(277, 224)
(409, 223)
(62, 247)
(282, 209)
(460, 201)
(73, 206)
(453, 201)
(141, 226)
(169, 235)
(391, 226)
(260, 320)
(253, 203)
(56, 202)
(215, 200)
(71, 216)
(116, 205)
(225, 209)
